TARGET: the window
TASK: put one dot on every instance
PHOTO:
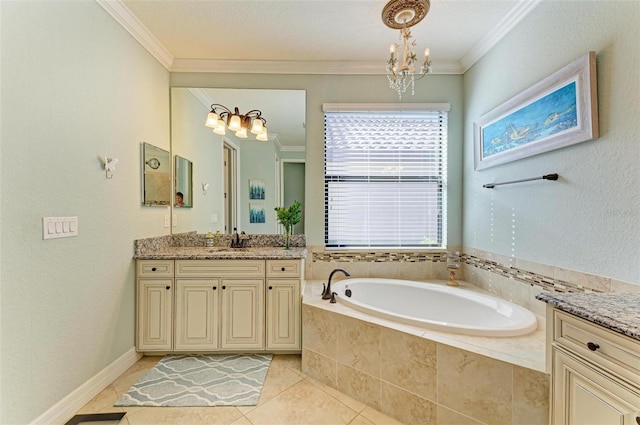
(385, 175)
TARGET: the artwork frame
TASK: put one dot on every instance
(544, 115)
(257, 213)
(256, 189)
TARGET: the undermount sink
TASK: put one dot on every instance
(226, 249)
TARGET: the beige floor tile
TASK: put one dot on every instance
(242, 421)
(279, 378)
(218, 415)
(342, 398)
(304, 403)
(378, 418)
(361, 420)
(135, 372)
(102, 403)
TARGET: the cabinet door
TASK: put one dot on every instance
(154, 314)
(196, 317)
(283, 314)
(585, 395)
(242, 314)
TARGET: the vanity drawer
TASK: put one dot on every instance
(283, 268)
(220, 268)
(614, 351)
(155, 268)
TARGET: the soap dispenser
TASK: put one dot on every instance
(209, 238)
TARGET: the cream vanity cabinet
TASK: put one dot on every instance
(154, 305)
(595, 373)
(284, 286)
(220, 305)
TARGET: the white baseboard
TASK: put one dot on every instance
(63, 410)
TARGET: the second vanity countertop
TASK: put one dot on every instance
(223, 253)
(617, 312)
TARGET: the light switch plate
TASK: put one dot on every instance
(59, 227)
(167, 221)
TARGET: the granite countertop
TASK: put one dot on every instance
(618, 312)
(223, 253)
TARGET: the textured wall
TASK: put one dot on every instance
(590, 219)
(75, 86)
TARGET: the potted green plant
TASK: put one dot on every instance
(289, 217)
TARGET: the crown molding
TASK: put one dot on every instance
(202, 96)
(129, 22)
(296, 67)
(506, 24)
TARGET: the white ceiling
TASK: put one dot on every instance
(309, 36)
(305, 37)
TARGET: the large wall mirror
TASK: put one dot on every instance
(237, 182)
(156, 175)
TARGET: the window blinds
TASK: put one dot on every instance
(385, 178)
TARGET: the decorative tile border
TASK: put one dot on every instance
(520, 275)
(378, 257)
(546, 282)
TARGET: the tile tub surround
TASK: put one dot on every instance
(419, 376)
(514, 279)
(617, 312)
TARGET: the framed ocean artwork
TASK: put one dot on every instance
(559, 111)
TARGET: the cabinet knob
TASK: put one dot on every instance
(270, 287)
(167, 287)
(283, 269)
(592, 346)
(215, 287)
(153, 269)
(224, 287)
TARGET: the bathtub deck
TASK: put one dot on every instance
(526, 351)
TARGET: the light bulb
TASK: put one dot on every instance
(256, 128)
(235, 123)
(212, 119)
(220, 128)
(242, 133)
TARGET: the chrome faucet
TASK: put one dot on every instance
(327, 291)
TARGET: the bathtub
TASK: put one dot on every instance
(436, 306)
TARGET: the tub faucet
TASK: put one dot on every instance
(327, 291)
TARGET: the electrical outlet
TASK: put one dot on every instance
(167, 223)
(175, 220)
(214, 218)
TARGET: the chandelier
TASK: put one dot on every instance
(220, 118)
(401, 66)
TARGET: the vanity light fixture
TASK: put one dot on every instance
(110, 166)
(220, 118)
(401, 66)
